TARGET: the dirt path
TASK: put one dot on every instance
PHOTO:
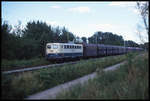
(52, 92)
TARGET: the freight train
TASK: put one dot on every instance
(56, 51)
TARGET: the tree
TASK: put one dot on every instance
(78, 40)
(66, 36)
(130, 43)
(38, 34)
(18, 30)
(145, 46)
(106, 38)
(30, 42)
(10, 42)
(57, 32)
(84, 39)
(143, 8)
(5, 39)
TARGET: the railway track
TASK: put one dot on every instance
(40, 67)
(36, 68)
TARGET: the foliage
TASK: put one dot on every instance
(143, 11)
(128, 82)
(129, 59)
(106, 38)
(110, 39)
(7, 40)
(84, 39)
(18, 64)
(24, 84)
(40, 33)
(130, 43)
(29, 42)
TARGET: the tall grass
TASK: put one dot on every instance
(128, 82)
(24, 84)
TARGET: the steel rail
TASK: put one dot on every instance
(36, 68)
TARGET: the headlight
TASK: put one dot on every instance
(51, 50)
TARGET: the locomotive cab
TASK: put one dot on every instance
(52, 50)
(63, 50)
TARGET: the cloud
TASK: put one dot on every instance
(81, 9)
(135, 11)
(52, 23)
(123, 4)
(131, 6)
(56, 23)
(55, 7)
(104, 27)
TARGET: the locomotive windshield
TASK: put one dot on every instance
(55, 46)
(52, 46)
(49, 46)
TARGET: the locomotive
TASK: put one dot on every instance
(55, 51)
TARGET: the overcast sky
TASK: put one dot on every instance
(80, 18)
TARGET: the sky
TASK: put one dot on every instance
(83, 19)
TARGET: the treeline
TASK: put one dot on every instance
(30, 41)
(110, 39)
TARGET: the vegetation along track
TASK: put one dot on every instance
(52, 92)
(36, 68)
(39, 67)
(27, 83)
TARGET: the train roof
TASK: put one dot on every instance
(99, 45)
(64, 43)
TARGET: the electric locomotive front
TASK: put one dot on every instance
(63, 50)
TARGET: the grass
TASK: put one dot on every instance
(21, 85)
(17, 64)
(128, 82)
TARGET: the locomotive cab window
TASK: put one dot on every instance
(49, 46)
(55, 46)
